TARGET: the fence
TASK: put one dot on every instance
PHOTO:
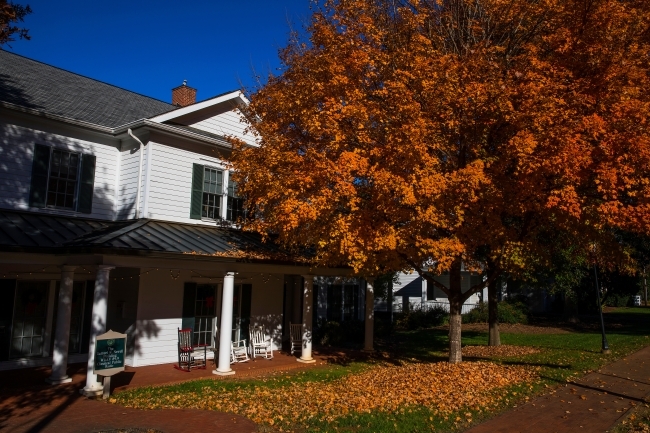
(467, 307)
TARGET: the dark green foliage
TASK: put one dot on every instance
(349, 333)
(509, 312)
(419, 318)
(384, 327)
(618, 300)
(383, 286)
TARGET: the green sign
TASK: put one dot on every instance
(109, 353)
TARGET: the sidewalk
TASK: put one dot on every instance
(593, 403)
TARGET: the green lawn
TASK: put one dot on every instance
(631, 311)
(561, 357)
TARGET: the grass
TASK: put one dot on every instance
(629, 311)
(636, 421)
(562, 357)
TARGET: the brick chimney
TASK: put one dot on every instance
(183, 95)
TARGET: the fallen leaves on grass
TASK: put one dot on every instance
(497, 351)
(443, 387)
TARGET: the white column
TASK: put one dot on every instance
(225, 333)
(97, 327)
(307, 313)
(369, 315)
(62, 332)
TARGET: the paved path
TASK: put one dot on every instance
(593, 403)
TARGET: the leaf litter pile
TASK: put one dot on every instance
(442, 387)
(498, 351)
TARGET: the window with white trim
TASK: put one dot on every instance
(63, 179)
(235, 209)
(212, 193)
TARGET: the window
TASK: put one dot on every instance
(212, 192)
(235, 210)
(62, 179)
(199, 311)
(30, 313)
(207, 193)
(62, 183)
(342, 302)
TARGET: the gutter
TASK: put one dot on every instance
(137, 196)
(122, 129)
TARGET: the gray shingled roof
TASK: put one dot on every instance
(35, 85)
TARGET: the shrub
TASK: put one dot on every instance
(616, 300)
(477, 315)
(508, 312)
(419, 318)
(348, 333)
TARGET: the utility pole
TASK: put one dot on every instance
(605, 346)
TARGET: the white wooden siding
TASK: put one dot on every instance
(170, 185)
(160, 309)
(16, 154)
(227, 124)
(439, 295)
(266, 305)
(128, 180)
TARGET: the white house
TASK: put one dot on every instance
(116, 212)
(411, 292)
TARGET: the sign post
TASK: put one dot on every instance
(110, 350)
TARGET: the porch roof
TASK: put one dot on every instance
(43, 233)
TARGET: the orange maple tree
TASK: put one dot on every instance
(437, 134)
(11, 13)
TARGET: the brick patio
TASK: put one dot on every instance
(28, 404)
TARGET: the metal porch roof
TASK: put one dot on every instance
(37, 232)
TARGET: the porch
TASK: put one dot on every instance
(66, 281)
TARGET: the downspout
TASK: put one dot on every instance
(137, 197)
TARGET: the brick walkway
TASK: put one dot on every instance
(28, 404)
(593, 403)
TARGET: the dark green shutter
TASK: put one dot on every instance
(40, 169)
(246, 298)
(7, 292)
(86, 184)
(197, 191)
(189, 305)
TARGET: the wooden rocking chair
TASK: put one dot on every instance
(259, 343)
(295, 335)
(186, 351)
(238, 351)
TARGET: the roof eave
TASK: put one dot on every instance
(236, 96)
(120, 130)
(58, 118)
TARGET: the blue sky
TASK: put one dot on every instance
(151, 46)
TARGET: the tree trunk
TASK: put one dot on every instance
(455, 352)
(494, 338)
(455, 306)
